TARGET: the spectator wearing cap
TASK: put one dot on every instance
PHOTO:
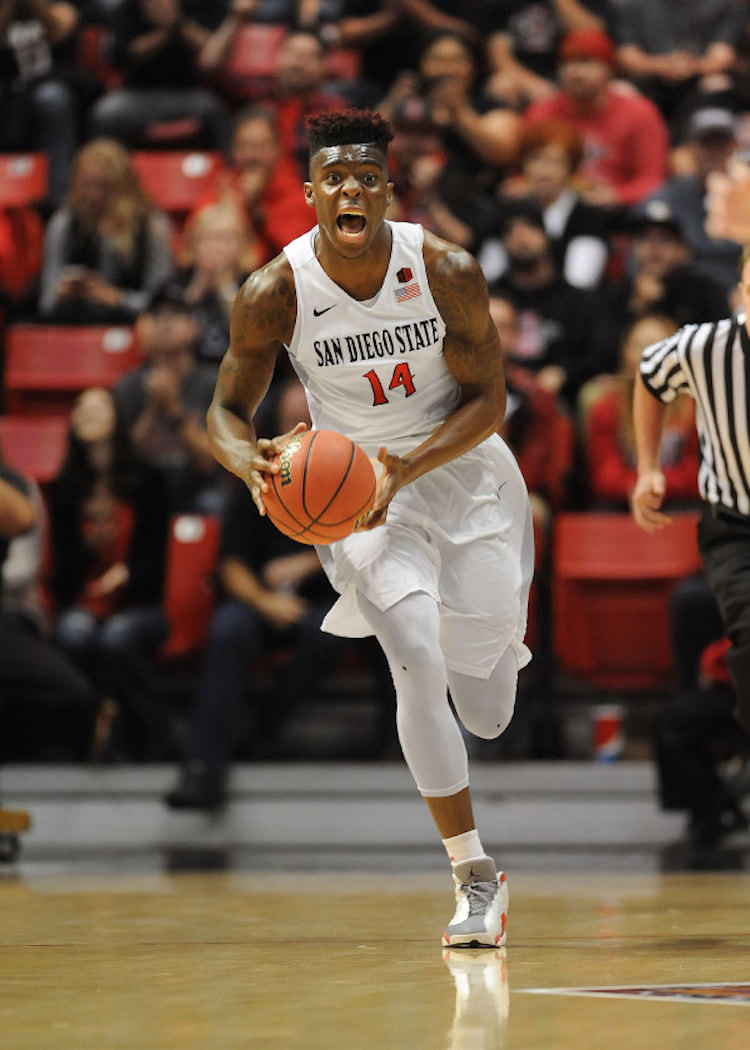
(555, 320)
(164, 402)
(416, 157)
(625, 138)
(662, 280)
(522, 41)
(425, 190)
(711, 136)
(668, 48)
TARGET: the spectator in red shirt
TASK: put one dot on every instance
(625, 137)
(21, 237)
(608, 429)
(300, 90)
(263, 181)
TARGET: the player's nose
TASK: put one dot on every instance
(351, 186)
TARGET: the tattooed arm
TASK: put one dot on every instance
(472, 353)
(263, 318)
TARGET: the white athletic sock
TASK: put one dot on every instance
(464, 847)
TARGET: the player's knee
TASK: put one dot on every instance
(488, 724)
(485, 705)
(414, 657)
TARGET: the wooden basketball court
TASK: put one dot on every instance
(352, 961)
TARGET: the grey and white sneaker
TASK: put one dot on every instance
(481, 906)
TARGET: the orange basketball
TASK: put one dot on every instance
(325, 484)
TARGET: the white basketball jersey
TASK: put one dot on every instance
(373, 371)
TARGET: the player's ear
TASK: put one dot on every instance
(389, 193)
(309, 195)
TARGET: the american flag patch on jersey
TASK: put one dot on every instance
(409, 291)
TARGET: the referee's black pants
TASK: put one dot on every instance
(724, 542)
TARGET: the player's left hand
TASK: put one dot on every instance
(392, 477)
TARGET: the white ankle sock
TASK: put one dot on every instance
(464, 847)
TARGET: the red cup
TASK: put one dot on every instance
(609, 738)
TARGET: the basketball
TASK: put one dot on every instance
(325, 484)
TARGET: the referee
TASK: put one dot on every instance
(711, 363)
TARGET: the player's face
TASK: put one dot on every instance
(350, 192)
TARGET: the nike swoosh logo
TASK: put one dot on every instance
(319, 313)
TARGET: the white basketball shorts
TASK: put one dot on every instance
(463, 534)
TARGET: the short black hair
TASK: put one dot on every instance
(348, 127)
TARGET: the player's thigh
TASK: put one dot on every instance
(482, 609)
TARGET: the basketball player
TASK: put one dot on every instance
(388, 328)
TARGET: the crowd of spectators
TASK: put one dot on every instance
(566, 143)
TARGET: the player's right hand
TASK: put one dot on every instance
(264, 460)
(646, 501)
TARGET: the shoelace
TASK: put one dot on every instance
(480, 894)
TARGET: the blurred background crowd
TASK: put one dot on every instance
(153, 154)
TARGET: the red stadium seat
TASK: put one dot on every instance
(251, 61)
(611, 584)
(34, 445)
(192, 552)
(177, 181)
(344, 63)
(23, 179)
(48, 365)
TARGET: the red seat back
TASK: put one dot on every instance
(192, 552)
(23, 179)
(344, 63)
(611, 584)
(177, 181)
(48, 365)
(34, 445)
(251, 61)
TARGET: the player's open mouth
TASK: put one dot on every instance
(351, 223)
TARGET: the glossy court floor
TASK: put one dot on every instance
(352, 961)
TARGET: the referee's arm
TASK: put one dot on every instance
(650, 486)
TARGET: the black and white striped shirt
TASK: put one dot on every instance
(711, 363)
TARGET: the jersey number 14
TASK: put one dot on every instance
(401, 377)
